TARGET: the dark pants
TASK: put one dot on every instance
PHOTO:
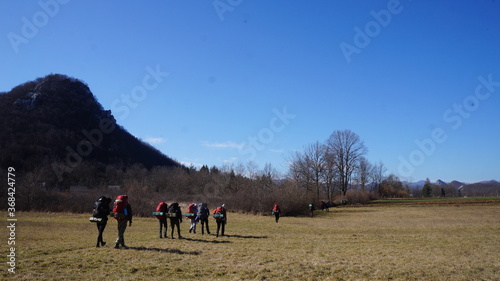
(173, 223)
(163, 226)
(277, 216)
(221, 225)
(100, 228)
(204, 222)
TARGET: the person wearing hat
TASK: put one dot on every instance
(220, 218)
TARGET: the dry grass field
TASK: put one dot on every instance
(381, 242)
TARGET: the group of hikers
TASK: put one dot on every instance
(122, 212)
(196, 213)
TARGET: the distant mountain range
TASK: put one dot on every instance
(55, 124)
(483, 188)
(454, 183)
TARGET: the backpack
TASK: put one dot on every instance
(219, 213)
(276, 209)
(191, 213)
(120, 211)
(204, 212)
(173, 210)
(101, 207)
(161, 211)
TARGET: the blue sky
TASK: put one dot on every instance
(228, 82)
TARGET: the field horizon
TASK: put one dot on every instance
(370, 242)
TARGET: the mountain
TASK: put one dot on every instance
(415, 185)
(456, 184)
(440, 183)
(55, 124)
(485, 188)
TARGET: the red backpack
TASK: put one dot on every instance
(191, 208)
(219, 213)
(162, 208)
(120, 207)
(276, 208)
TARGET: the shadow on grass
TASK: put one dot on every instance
(170, 251)
(246, 236)
(206, 241)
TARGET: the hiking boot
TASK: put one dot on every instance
(103, 243)
(117, 246)
(97, 246)
(125, 247)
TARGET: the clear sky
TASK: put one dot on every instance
(233, 81)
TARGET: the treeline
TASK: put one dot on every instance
(241, 189)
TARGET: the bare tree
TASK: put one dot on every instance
(315, 159)
(345, 150)
(309, 167)
(363, 172)
(377, 175)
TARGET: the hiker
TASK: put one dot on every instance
(161, 211)
(101, 212)
(203, 214)
(311, 210)
(323, 205)
(192, 216)
(276, 212)
(175, 215)
(221, 218)
(122, 212)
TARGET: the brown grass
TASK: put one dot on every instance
(455, 242)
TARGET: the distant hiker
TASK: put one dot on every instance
(192, 216)
(325, 206)
(220, 218)
(100, 215)
(276, 212)
(161, 215)
(311, 210)
(203, 214)
(175, 215)
(122, 212)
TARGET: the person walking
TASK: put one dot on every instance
(220, 218)
(277, 212)
(123, 214)
(101, 212)
(162, 209)
(192, 215)
(175, 215)
(203, 214)
(311, 210)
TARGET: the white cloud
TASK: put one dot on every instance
(154, 140)
(230, 160)
(277, 150)
(228, 144)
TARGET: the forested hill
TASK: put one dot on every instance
(56, 126)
